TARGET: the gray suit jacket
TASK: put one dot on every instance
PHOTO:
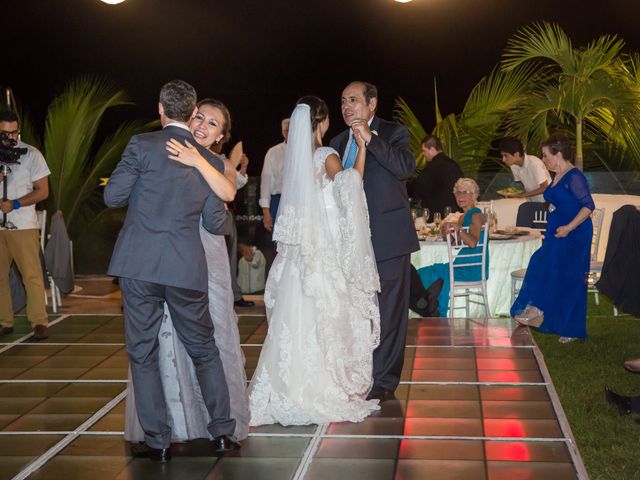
(159, 241)
(388, 164)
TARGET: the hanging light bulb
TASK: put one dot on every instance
(113, 2)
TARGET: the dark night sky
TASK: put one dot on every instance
(260, 56)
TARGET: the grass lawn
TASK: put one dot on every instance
(607, 441)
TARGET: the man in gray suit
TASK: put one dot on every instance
(159, 258)
(389, 163)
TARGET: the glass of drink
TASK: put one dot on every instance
(447, 211)
(425, 214)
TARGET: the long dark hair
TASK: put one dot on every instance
(318, 107)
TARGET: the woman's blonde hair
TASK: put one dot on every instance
(468, 183)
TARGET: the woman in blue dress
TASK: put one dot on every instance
(470, 231)
(553, 296)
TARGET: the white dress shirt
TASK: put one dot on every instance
(271, 176)
(532, 173)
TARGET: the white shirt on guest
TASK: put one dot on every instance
(251, 274)
(532, 173)
(32, 167)
(271, 176)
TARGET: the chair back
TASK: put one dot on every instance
(597, 216)
(532, 215)
(471, 259)
(41, 216)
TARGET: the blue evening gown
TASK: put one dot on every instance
(556, 278)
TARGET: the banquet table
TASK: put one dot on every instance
(505, 256)
(507, 211)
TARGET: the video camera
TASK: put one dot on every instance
(9, 153)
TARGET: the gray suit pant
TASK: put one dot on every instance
(143, 311)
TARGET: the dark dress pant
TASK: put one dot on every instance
(393, 299)
(143, 311)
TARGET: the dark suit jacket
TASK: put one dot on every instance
(388, 164)
(434, 185)
(160, 241)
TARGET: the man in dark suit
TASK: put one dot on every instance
(434, 185)
(159, 258)
(389, 163)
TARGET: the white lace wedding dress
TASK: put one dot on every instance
(324, 323)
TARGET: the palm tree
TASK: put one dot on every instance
(590, 90)
(75, 161)
(467, 136)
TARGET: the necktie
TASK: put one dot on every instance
(351, 154)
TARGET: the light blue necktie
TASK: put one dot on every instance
(351, 154)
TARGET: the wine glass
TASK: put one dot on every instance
(437, 219)
(447, 211)
(425, 214)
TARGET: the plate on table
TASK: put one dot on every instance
(509, 192)
(501, 236)
(512, 232)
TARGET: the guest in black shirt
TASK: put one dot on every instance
(434, 185)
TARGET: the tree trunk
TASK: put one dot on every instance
(579, 156)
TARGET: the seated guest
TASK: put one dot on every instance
(527, 169)
(554, 290)
(251, 268)
(434, 185)
(470, 231)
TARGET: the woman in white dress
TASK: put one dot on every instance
(316, 362)
(188, 415)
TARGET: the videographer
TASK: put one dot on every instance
(27, 184)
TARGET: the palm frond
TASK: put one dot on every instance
(71, 125)
(403, 114)
(539, 41)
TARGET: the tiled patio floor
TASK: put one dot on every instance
(475, 403)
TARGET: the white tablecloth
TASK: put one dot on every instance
(507, 210)
(505, 256)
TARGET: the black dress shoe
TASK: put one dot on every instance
(40, 332)
(434, 291)
(622, 403)
(380, 394)
(244, 303)
(225, 443)
(6, 330)
(142, 450)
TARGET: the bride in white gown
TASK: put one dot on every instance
(316, 362)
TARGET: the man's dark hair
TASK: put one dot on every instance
(8, 116)
(178, 99)
(431, 141)
(511, 145)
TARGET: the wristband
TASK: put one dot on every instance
(16, 204)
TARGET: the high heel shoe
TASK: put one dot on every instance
(530, 322)
(531, 317)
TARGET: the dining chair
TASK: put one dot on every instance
(532, 215)
(476, 288)
(56, 297)
(595, 266)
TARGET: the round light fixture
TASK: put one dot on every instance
(113, 2)
(399, 1)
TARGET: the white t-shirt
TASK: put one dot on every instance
(271, 177)
(20, 181)
(532, 173)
